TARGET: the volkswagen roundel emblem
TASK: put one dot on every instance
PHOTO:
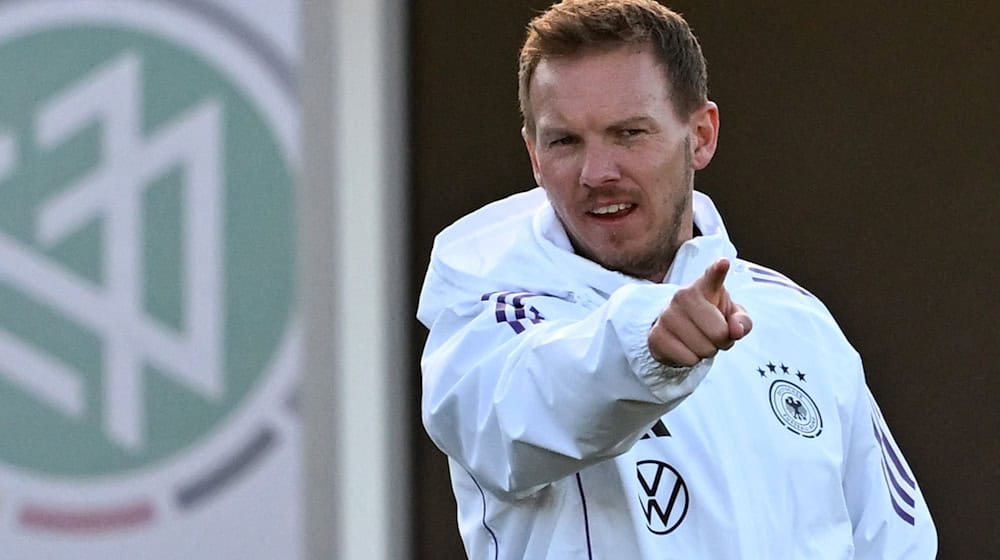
(795, 409)
(664, 498)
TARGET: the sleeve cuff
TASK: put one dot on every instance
(633, 311)
(670, 383)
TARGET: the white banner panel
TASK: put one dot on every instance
(149, 331)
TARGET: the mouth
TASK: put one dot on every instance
(611, 211)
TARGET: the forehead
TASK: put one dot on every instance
(622, 82)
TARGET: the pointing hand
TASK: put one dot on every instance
(699, 321)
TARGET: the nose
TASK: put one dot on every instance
(599, 166)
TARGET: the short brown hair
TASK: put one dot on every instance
(572, 26)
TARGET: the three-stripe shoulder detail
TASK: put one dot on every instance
(510, 309)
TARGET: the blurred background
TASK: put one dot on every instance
(215, 216)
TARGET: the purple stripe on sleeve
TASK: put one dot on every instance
(511, 311)
(899, 489)
(536, 317)
(501, 312)
(780, 283)
(903, 514)
(891, 475)
(501, 307)
(765, 272)
(890, 452)
(519, 312)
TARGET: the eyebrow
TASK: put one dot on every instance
(631, 122)
(552, 131)
(623, 123)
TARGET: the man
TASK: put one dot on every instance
(606, 377)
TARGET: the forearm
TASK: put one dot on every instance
(520, 411)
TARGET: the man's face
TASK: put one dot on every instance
(616, 161)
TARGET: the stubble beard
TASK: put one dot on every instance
(652, 262)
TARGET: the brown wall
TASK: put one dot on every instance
(859, 155)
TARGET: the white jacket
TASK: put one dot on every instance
(566, 440)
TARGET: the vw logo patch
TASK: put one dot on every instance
(664, 498)
(795, 409)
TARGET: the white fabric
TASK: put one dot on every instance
(539, 386)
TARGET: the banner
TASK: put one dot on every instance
(149, 342)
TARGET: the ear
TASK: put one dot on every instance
(529, 143)
(704, 127)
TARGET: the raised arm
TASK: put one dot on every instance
(524, 389)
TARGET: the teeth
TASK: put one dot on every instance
(612, 209)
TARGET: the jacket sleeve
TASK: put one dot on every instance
(525, 389)
(887, 509)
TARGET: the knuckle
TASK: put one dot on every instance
(684, 295)
(670, 350)
(706, 349)
(670, 321)
(720, 337)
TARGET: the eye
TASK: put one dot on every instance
(563, 141)
(632, 132)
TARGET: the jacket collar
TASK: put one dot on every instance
(692, 258)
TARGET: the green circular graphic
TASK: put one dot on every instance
(255, 256)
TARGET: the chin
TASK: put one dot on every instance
(625, 259)
(619, 263)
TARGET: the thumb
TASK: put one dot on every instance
(710, 284)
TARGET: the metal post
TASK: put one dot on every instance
(353, 263)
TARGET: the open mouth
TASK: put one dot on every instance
(612, 210)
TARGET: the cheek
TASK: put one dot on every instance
(669, 174)
(559, 175)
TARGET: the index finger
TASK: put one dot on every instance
(710, 284)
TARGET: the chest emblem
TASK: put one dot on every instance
(795, 409)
